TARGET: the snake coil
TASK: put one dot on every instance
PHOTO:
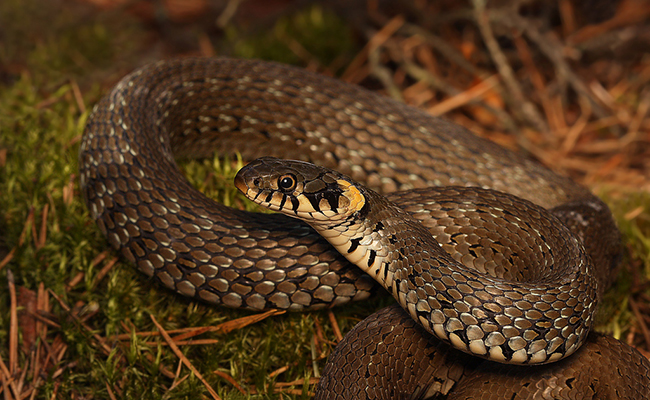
(202, 249)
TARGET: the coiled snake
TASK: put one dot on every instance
(205, 250)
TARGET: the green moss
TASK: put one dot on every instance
(214, 177)
(633, 216)
(41, 163)
(632, 213)
(58, 43)
(327, 38)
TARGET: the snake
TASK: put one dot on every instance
(423, 197)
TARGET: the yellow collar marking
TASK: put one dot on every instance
(357, 200)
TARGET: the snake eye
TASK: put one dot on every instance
(287, 182)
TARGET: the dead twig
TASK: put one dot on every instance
(520, 104)
(551, 47)
(465, 97)
(375, 41)
(444, 48)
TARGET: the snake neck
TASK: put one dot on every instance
(379, 236)
(443, 294)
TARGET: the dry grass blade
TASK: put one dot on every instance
(629, 12)
(239, 323)
(335, 325)
(224, 328)
(310, 381)
(9, 373)
(110, 392)
(105, 270)
(42, 237)
(7, 258)
(231, 380)
(465, 97)
(640, 321)
(520, 102)
(184, 359)
(100, 340)
(13, 324)
(78, 97)
(8, 382)
(352, 74)
(278, 371)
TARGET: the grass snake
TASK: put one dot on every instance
(516, 311)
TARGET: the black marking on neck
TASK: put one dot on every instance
(371, 258)
(354, 243)
(346, 222)
(378, 227)
(401, 254)
(473, 247)
(331, 192)
(314, 200)
(333, 199)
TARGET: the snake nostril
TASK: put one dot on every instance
(256, 182)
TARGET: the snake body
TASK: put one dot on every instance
(202, 249)
(540, 320)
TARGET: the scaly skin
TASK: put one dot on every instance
(202, 249)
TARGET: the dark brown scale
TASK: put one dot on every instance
(421, 367)
(202, 249)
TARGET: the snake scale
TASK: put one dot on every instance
(205, 250)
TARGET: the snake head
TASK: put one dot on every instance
(300, 189)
